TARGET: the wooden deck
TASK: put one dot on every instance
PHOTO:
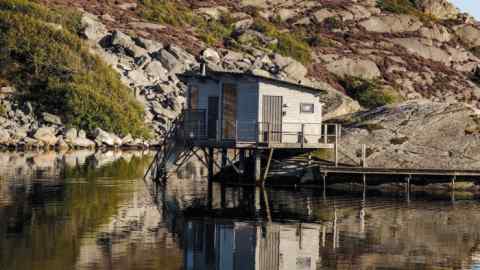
(259, 145)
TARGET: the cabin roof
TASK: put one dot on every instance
(216, 75)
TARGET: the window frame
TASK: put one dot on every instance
(304, 104)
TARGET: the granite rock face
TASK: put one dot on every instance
(416, 134)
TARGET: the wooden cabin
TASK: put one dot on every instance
(239, 110)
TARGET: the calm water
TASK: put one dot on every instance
(93, 211)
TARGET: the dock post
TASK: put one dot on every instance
(258, 166)
(364, 155)
(224, 157)
(336, 145)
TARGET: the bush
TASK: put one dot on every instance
(404, 7)
(214, 32)
(368, 92)
(288, 44)
(166, 12)
(57, 74)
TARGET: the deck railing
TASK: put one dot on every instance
(196, 128)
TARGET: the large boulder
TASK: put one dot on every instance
(47, 135)
(393, 23)
(92, 28)
(355, 67)
(104, 138)
(123, 41)
(51, 119)
(415, 134)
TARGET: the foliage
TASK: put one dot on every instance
(166, 12)
(404, 7)
(368, 92)
(289, 44)
(57, 73)
(214, 32)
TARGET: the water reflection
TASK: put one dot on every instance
(91, 210)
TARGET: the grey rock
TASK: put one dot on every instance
(104, 138)
(51, 119)
(92, 28)
(81, 142)
(394, 23)
(150, 45)
(121, 40)
(322, 14)
(71, 134)
(211, 55)
(4, 137)
(47, 135)
(82, 134)
(355, 67)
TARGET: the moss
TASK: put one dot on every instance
(399, 140)
(57, 74)
(368, 92)
(289, 44)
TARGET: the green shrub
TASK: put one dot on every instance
(166, 12)
(288, 44)
(57, 74)
(368, 92)
(214, 32)
(404, 7)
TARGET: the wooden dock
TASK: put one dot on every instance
(396, 171)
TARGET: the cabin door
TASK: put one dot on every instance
(272, 114)
(229, 111)
(212, 117)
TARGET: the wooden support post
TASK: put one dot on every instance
(303, 135)
(258, 166)
(364, 155)
(224, 157)
(210, 161)
(267, 168)
(336, 146)
(242, 161)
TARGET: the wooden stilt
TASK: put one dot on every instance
(210, 161)
(258, 166)
(336, 145)
(242, 161)
(224, 157)
(267, 168)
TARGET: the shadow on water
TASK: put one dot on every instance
(87, 210)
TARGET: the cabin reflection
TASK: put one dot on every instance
(230, 245)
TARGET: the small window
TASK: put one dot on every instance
(307, 108)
